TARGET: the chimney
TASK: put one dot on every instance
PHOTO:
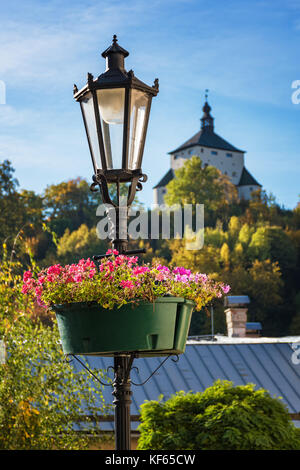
(236, 315)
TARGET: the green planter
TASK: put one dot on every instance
(149, 329)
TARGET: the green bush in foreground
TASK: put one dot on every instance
(222, 417)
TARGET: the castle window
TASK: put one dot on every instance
(234, 173)
(202, 150)
(228, 154)
(213, 152)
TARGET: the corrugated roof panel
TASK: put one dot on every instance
(268, 365)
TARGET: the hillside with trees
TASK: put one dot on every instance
(252, 245)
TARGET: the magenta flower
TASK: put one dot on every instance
(112, 252)
(55, 269)
(225, 288)
(27, 275)
(25, 289)
(92, 273)
(181, 271)
(127, 284)
(52, 285)
(41, 279)
(182, 278)
(78, 278)
(140, 270)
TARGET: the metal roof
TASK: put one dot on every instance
(236, 300)
(207, 138)
(266, 362)
(253, 325)
(247, 179)
(165, 179)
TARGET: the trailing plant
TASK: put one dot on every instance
(117, 281)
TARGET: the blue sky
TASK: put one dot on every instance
(245, 52)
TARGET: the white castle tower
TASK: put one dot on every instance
(213, 150)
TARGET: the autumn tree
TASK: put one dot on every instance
(198, 184)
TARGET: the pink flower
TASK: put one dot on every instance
(55, 269)
(140, 270)
(200, 277)
(41, 279)
(92, 273)
(160, 277)
(38, 291)
(40, 302)
(78, 278)
(181, 271)
(27, 275)
(112, 252)
(50, 278)
(127, 284)
(132, 260)
(110, 266)
(25, 289)
(225, 289)
(165, 269)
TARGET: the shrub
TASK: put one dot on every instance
(223, 417)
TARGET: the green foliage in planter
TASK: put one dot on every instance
(223, 417)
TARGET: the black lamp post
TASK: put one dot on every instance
(115, 109)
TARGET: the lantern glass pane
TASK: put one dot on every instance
(138, 112)
(87, 107)
(111, 103)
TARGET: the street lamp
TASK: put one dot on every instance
(115, 109)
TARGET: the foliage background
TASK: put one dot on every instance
(252, 245)
(43, 401)
(223, 417)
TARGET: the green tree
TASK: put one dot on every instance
(41, 396)
(273, 243)
(198, 184)
(20, 212)
(69, 204)
(81, 243)
(223, 417)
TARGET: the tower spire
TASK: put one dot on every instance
(207, 121)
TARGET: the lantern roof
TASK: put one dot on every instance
(115, 48)
(115, 74)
